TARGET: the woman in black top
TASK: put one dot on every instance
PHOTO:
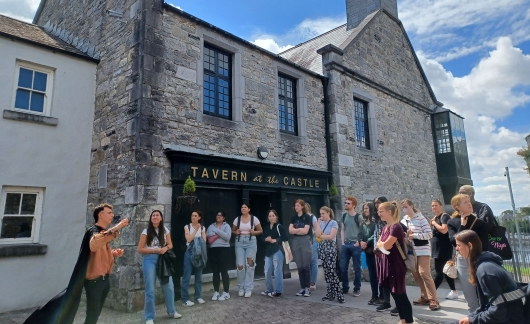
(464, 219)
(366, 237)
(301, 247)
(441, 248)
(273, 235)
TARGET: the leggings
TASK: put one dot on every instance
(404, 307)
(438, 268)
(218, 257)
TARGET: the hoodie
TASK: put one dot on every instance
(225, 232)
(421, 229)
(492, 279)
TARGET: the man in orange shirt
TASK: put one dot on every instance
(100, 261)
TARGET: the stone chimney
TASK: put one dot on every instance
(357, 10)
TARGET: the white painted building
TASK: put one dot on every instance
(46, 114)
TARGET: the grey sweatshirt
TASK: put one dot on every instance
(224, 235)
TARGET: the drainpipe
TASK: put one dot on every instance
(325, 82)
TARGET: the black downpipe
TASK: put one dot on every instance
(325, 82)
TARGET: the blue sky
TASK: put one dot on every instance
(475, 53)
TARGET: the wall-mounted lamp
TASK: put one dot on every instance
(263, 153)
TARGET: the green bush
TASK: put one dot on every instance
(333, 191)
(189, 187)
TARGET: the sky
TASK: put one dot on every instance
(475, 53)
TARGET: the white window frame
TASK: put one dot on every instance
(49, 87)
(35, 229)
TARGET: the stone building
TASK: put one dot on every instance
(47, 105)
(177, 97)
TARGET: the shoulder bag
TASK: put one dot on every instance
(499, 243)
(319, 239)
(286, 248)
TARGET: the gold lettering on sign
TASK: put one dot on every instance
(310, 183)
(285, 181)
(257, 179)
(316, 184)
(293, 183)
(243, 176)
(234, 176)
(225, 175)
(205, 173)
(215, 173)
(299, 182)
(194, 171)
(272, 180)
(305, 182)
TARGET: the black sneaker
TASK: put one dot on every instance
(394, 312)
(307, 292)
(341, 300)
(383, 307)
(373, 301)
(379, 301)
(356, 293)
(301, 292)
(274, 294)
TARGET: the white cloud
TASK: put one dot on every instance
(486, 93)
(305, 30)
(19, 9)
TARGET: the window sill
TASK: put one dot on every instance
(13, 250)
(367, 152)
(291, 138)
(30, 118)
(220, 122)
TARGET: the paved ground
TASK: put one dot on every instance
(287, 309)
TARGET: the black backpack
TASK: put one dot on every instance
(522, 292)
(239, 224)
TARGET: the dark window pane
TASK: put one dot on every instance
(28, 204)
(39, 82)
(37, 102)
(16, 227)
(25, 78)
(12, 206)
(362, 131)
(216, 92)
(22, 99)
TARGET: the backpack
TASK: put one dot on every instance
(522, 292)
(239, 224)
(356, 219)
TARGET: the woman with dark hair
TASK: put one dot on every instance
(218, 236)
(327, 232)
(301, 248)
(153, 243)
(491, 280)
(442, 250)
(246, 227)
(191, 231)
(273, 235)
(464, 219)
(366, 237)
(393, 270)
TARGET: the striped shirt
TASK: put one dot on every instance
(421, 228)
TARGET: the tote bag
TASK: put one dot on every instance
(499, 243)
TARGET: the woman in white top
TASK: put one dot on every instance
(327, 232)
(246, 227)
(153, 243)
(192, 230)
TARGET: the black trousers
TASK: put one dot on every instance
(96, 293)
(218, 257)
(438, 268)
(404, 307)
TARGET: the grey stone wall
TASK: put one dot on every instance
(357, 10)
(382, 54)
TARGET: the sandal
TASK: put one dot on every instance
(434, 305)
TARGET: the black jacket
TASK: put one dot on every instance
(62, 308)
(165, 266)
(454, 226)
(484, 212)
(271, 248)
(492, 279)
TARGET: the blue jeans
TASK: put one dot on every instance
(149, 268)
(314, 262)
(349, 251)
(186, 276)
(377, 291)
(274, 264)
(246, 249)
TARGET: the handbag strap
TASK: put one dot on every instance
(473, 222)
(400, 250)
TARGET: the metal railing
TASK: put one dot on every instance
(519, 265)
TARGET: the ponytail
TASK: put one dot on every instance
(455, 202)
(393, 207)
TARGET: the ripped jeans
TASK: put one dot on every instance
(245, 249)
(274, 265)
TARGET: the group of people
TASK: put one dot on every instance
(379, 231)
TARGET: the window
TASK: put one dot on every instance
(441, 130)
(20, 215)
(362, 130)
(287, 104)
(217, 82)
(33, 91)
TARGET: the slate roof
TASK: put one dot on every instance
(305, 54)
(29, 33)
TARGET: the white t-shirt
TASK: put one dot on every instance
(245, 227)
(155, 244)
(192, 230)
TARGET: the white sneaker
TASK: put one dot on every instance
(224, 296)
(149, 322)
(200, 301)
(177, 315)
(189, 303)
(248, 294)
(241, 293)
(313, 287)
(215, 296)
(452, 295)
